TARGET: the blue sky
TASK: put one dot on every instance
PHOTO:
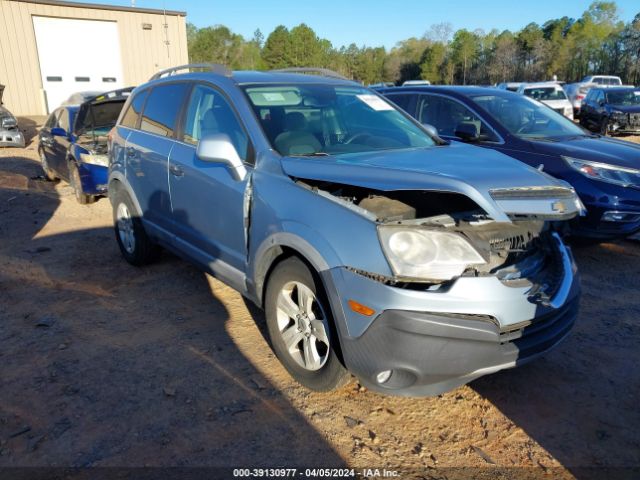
(374, 22)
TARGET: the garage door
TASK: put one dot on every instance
(77, 56)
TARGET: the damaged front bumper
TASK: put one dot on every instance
(425, 342)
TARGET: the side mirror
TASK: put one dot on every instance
(58, 132)
(217, 148)
(467, 132)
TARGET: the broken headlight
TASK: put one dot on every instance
(421, 254)
(605, 172)
(95, 159)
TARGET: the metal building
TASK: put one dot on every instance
(50, 49)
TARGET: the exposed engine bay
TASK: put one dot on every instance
(520, 253)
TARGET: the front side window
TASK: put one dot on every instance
(403, 100)
(318, 119)
(526, 118)
(447, 115)
(130, 118)
(63, 120)
(52, 121)
(161, 110)
(545, 93)
(208, 113)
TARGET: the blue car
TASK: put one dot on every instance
(605, 172)
(73, 143)
(373, 247)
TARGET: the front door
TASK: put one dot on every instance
(207, 201)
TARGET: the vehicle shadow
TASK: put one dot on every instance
(105, 364)
(579, 402)
(29, 127)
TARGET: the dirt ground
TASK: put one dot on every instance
(103, 364)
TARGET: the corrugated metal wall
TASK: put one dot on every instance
(143, 52)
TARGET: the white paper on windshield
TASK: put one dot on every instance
(273, 97)
(375, 102)
(636, 94)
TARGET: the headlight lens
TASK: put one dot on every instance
(9, 122)
(418, 253)
(605, 172)
(95, 159)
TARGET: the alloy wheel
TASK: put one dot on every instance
(303, 326)
(125, 228)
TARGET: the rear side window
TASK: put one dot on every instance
(160, 114)
(130, 118)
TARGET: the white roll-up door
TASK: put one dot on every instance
(77, 56)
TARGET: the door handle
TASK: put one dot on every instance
(176, 171)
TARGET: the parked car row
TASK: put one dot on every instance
(413, 238)
(604, 171)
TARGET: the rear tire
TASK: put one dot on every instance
(301, 327)
(76, 184)
(136, 247)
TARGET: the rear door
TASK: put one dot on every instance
(207, 202)
(147, 153)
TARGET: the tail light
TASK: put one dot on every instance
(579, 97)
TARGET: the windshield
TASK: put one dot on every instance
(627, 98)
(526, 118)
(313, 119)
(545, 93)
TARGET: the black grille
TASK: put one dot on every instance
(542, 332)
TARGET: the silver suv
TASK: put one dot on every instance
(373, 247)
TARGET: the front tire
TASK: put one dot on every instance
(136, 247)
(48, 173)
(76, 184)
(301, 327)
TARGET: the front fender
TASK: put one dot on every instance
(318, 252)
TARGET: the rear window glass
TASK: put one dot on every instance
(130, 118)
(545, 93)
(161, 110)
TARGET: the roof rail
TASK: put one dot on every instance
(211, 67)
(325, 72)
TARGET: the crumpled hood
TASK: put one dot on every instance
(472, 171)
(597, 149)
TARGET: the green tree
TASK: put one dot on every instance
(276, 52)
(464, 50)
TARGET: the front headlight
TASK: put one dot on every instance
(605, 172)
(94, 159)
(9, 122)
(421, 254)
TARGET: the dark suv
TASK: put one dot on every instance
(612, 110)
(373, 247)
